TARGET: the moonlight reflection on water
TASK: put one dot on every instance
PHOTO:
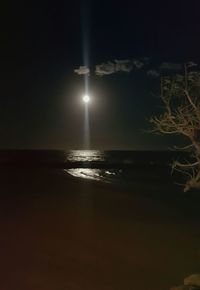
(85, 155)
(88, 173)
(93, 174)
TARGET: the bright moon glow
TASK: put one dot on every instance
(86, 99)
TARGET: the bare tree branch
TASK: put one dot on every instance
(180, 95)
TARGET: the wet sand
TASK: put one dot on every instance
(61, 233)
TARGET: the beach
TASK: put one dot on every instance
(61, 232)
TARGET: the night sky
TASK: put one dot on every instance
(43, 42)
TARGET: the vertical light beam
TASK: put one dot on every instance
(86, 128)
(85, 13)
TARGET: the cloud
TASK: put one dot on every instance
(153, 73)
(105, 68)
(82, 70)
(138, 63)
(128, 65)
(170, 66)
(111, 67)
(191, 64)
(123, 65)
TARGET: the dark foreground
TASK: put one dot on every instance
(59, 233)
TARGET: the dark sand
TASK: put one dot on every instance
(60, 233)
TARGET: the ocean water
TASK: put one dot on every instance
(119, 166)
(107, 166)
(91, 157)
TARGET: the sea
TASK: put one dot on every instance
(119, 167)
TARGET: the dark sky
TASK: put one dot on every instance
(43, 42)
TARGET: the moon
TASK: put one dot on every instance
(86, 99)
